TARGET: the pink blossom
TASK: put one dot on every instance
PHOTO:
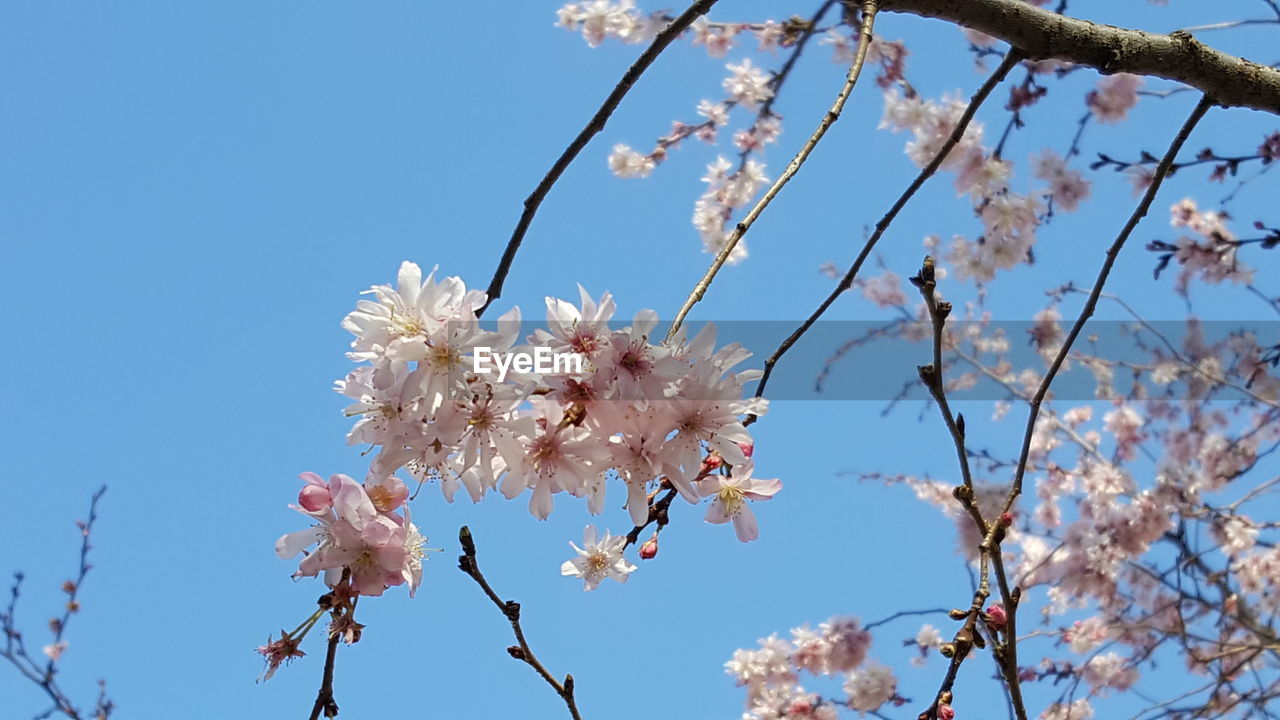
(730, 493)
(1114, 97)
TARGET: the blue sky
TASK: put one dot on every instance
(192, 196)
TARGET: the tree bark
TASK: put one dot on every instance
(1041, 34)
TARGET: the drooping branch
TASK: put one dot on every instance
(1178, 56)
(594, 125)
(846, 282)
(828, 119)
(1162, 170)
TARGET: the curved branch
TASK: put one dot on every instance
(828, 119)
(1041, 34)
(594, 125)
(511, 610)
(846, 282)
(1092, 302)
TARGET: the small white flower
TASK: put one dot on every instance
(598, 559)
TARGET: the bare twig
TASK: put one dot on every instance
(594, 125)
(511, 610)
(1005, 654)
(833, 114)
(15, 650)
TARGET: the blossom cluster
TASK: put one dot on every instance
(364, 530)
(1210, 252)
(642, 413)
(1009, 219)
(600, 19)
(771, 673)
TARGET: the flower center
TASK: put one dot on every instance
(731, 498)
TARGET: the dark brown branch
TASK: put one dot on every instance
(594, 125)
(1092, 302)
(325, 702)
(1041, 34)
(902, 614)
(658, 514)
(846, 282)
(933, 377)
(324, 699)
(511, 610)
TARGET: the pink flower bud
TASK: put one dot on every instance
(711, 462)
(1006, 519)
(649, 550)
(800, 708)
(314, 498)
(748, 449)
(946, 712)
(996, 617)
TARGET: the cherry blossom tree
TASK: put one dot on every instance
(1122, 533)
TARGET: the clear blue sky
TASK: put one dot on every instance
(192, 196)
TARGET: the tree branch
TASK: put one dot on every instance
(846, 282)
(594, 125)
(833, 114)
(1091, 303)
(15, 649)
(1041, 34)
(511, 609)
(336, 604)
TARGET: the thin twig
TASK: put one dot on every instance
(833, 114)
(902, 614)
(1228, 24)
(932, 374)
(511, 610)
(593, 126)
(1011, 58)
(15, 650)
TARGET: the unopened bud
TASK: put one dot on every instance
(711, 462)
(649, 550)
(516, 652)
(958, 614)
(314, 498)
(927, 374)
(948, 650)
(748, 449)
(926, 269)
(1006, 519)
(995, 616)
